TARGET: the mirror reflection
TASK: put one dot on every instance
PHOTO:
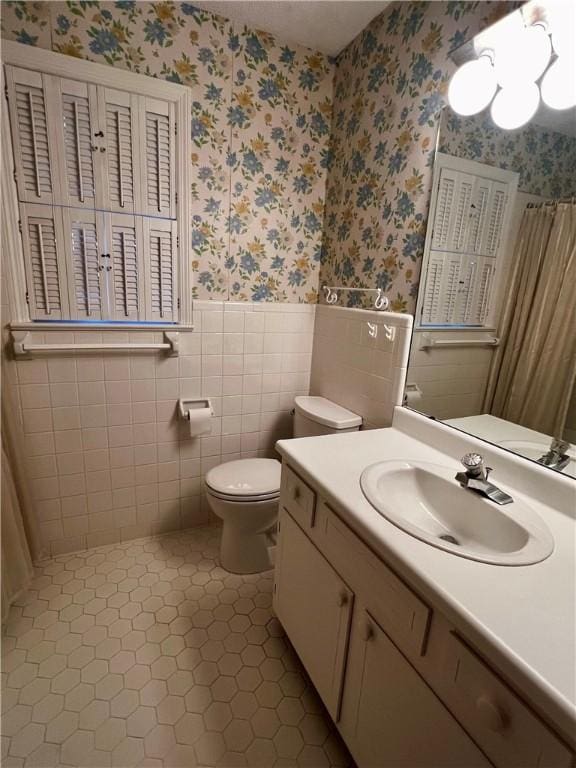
(494, 347)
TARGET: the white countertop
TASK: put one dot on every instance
(523, 618)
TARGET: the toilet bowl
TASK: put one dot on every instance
(245, 494)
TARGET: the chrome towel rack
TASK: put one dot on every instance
(23, 346)
(380, 302)
(427, 341)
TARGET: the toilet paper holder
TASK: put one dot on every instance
(193, 404)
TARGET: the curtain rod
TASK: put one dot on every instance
(552, 202)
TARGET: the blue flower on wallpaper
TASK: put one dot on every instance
(233, 42)
(155, 32)
(129, 5)
(63, 23)
(376, 77)
(198, 239)
(264, 197)
(198, 129)
(430, 107)
(251, 163)
(212, 205)
(248, 263)
(254, 49)
(261, 293)
(282, 165)
(413, 245)
(268, 90)
(237, 117)
(102, 41)
(307, 79)
(277, 263)
(421, 69)
(287, 56)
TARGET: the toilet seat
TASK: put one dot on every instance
(245, 480)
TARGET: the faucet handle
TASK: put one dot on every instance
(473, 462)
(559, 445)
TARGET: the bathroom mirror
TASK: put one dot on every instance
(494, 344)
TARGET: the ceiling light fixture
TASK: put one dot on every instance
(515, 105)
(473, 86)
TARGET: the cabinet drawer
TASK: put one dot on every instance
(297, 497)
(504, 727)
(400, 612)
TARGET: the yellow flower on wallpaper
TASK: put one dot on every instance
(184, 67)
(164, 11)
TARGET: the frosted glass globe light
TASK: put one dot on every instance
(522, 57)
(513, 107)
(558, 85)
(472, 87)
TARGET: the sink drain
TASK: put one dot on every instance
(450, 539)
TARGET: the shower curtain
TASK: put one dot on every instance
(533, 372)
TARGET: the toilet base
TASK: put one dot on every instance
(246, 533)
(244, 553)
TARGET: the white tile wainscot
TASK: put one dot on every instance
(108, 458)
(356, 370)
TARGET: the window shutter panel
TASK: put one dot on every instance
(43, 247)
(478, 216)
(483, 295)
(127, 275)
(161, 270)
(77, 117)
(157, 145)
(88, 265)
(121, 187)
(495, 218)
(447, 187)
(33, 135)
(433, 288)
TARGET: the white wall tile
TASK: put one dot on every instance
(106, 451)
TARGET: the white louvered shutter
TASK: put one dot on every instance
(161, 260)
(77, 115)
(121, 183)
(479, 209)
(43, 247)
(157, 147)
(452, 212)
(442, 287)
(87, 265)
(479, 313)
(30, 95)
(495, 218)
(126, 279)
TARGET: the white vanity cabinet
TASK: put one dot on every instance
(390, 717)
(315, 608)
(405, 690)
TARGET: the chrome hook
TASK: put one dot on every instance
(381, 302)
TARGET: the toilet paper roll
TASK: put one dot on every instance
(200, 421)
(413, 396)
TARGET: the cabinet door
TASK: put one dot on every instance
(44, 259)
(88, 264)
(390, 717)
(78, 143)
(32, 109)
(121, 184)
(315, 608)
(157, 149)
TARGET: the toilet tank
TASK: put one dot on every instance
(318, 416)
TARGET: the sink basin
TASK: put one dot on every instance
(426, 501)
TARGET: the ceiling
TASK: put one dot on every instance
(323, 25)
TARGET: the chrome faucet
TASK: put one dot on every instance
(556, 456)
(475, 478)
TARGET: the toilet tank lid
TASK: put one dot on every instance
(326, 412)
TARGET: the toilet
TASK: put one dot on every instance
(244, 494)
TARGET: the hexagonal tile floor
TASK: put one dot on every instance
(149, 654)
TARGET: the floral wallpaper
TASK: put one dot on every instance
(260, 129)
(545, 159)
(388, 93)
